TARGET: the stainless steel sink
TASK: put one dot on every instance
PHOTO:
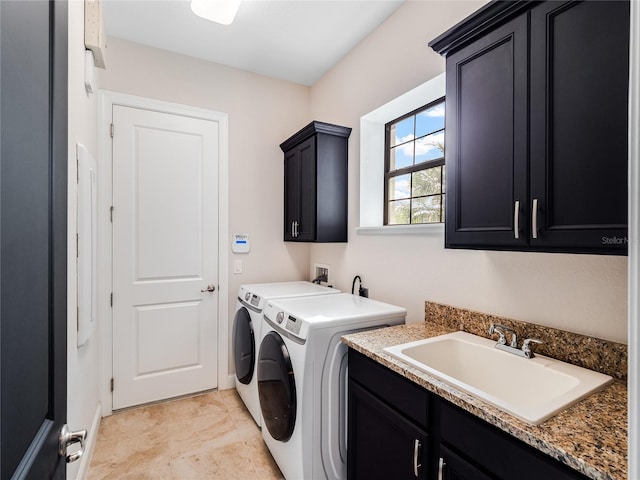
(530, 389)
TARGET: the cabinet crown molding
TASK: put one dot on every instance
(312, 129)
(487, 17)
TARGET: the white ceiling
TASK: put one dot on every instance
(295, 40)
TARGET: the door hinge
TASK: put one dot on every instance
(111, 299)
(111, 213)
(111, 130)
(111, 385)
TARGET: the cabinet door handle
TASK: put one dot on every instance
(296, 227)
(293, 229)
(416, 455)
(534, 219)
(441, 465)
(516, 220)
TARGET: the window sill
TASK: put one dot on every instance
(435, 229)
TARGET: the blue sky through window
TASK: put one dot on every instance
(415, 175)
(403, 131)
(405, 152)
(431, 120)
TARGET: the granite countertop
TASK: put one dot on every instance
(590, 437)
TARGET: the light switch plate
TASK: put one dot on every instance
(237, 266)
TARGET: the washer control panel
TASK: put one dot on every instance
(250, 298)
(254, 300)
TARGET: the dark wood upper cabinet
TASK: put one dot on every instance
(486, 128)
(537, 127)
(315, 184)
(579, 123)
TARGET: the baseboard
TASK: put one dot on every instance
(231, 383)
(92, 435)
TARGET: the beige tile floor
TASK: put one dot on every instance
(207, 436)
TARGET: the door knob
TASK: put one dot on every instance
(67, 438)
(210, 288)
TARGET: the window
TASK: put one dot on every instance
(372, 160)
(414, 167)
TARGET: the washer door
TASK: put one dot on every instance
(276, 387)
(244, 346)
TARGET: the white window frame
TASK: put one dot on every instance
(372, 151)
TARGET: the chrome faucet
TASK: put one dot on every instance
(502, 331)
(526, 350)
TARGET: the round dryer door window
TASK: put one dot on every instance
(244, 346)
(276, 387)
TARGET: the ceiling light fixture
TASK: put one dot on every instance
(219, 11)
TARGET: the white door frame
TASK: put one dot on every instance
(105, 188)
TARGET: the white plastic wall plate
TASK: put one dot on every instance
(317, 271)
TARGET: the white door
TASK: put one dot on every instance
(165, 251)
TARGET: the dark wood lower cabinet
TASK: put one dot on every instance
(454, 467)
(384, 444)
(398, 430)
(490, 450)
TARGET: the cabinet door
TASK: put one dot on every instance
(300, 192)
(306, 229)
(381, 442)
(291, 193)
(579, 104)
(496, 452)
(486, 129)
(453, 467)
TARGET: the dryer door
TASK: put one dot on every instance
(276, 387)
(244, 346)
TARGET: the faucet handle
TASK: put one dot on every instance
(526, 347)
(502, 330)
(493, 329)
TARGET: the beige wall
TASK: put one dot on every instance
(262, 113)
(581, 293)
(82, 363)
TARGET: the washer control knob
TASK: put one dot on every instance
(247, 296)
(280, 317)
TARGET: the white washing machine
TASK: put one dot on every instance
(302, 379)
(247, 328)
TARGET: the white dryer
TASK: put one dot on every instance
(302, 379)
(247, 328)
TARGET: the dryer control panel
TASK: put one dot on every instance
(293, 324)
(284, 322)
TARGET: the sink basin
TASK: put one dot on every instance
(531, 389)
